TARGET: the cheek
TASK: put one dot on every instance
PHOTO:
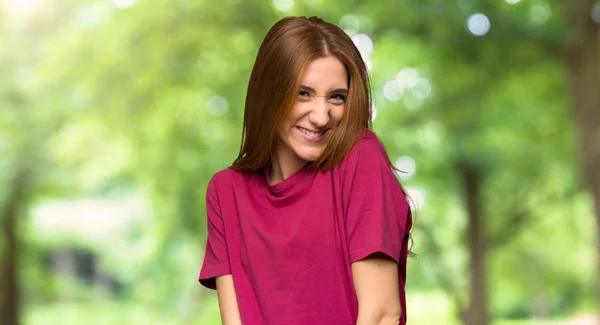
(337, 113)
(301, 108)
(298, 111)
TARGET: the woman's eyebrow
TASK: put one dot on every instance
(339, 90)
(334, 91)
(307, 89)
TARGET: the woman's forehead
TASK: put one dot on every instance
(324, 74)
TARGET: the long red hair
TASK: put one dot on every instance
(289, 46)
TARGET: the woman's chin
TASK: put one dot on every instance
(307, 152)
(310, 156)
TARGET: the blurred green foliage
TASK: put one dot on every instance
(146, 100)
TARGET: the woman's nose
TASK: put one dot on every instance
(319, 116)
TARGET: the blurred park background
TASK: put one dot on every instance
(115, 114)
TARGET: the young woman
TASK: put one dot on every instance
(309, 225)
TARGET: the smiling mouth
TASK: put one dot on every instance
(311, 134)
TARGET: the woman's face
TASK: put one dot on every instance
(316, 113)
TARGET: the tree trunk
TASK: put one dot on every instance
(477, 313)
(9, 272)
(582, 63)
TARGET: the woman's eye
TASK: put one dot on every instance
(338, 99)
(304, 96)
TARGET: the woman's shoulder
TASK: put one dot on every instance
(222, 175)
(227, 176)
(367, 141)
(367, 148)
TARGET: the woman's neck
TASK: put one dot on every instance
(284, 164)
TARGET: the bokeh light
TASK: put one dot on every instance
(123, 4)
(364, 44)
(407, 77)
(374, 113)
(283, 5)
(25, 5)
(478, 24)
(217, 105)
(407, 167)
(422, 88)
(349, 22)
(416, 197)
(393, 90)
(539, 13)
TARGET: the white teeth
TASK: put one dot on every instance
(310, 133)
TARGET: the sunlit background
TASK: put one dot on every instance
(115, 114)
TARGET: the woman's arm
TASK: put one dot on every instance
(377, 290)
(230, 312)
